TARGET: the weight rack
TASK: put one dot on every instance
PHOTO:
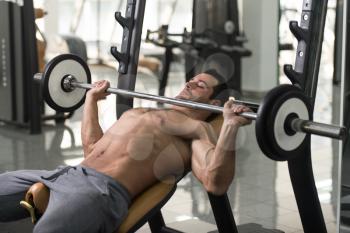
(305, 75)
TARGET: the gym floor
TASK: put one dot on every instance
(261, 192)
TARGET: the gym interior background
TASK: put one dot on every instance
(261, 192)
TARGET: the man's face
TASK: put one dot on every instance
(199, 88)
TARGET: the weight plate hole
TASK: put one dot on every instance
(288, 124)
(65, 83)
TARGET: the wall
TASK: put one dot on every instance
(260, 21)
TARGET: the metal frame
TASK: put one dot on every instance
(167, 59)
(127, 80)
(343, 53)
(26, 102)
(33, 104)
(223, 213)
(235, 39)
(305, 75)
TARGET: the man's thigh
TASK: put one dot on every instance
(82, 200)
(14, 185)
(80, 213)
(19, 181)
(76, 213)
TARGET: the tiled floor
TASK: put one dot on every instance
(261, 192)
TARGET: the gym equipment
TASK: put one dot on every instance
(18, 61)
(309, 33)
(128, 55)
(64, 73)
(341, 77)
(279, 110)
(38, 191)
(220, 22)
(20, 102)
(199, 47)
(215, 41)
(67, 76)
(76, 46)
(65, 100)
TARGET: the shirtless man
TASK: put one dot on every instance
(141, 148)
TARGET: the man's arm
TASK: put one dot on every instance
(91, 130)
(214, 165)
(178, 124)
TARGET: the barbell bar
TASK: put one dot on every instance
(70, 83)
(283, 118)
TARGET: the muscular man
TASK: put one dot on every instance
(141, 148)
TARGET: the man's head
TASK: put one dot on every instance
(207, 87)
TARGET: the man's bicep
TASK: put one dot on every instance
(201, 147)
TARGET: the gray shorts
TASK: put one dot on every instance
(81, 199)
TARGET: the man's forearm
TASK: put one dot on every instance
(214, 164)
(221, 161)
(91, 130)
(227, 138)
(224, 151)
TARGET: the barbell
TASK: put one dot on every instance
(283, 118)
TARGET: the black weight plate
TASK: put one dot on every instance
(270, 108)
(55, 71)
(292, 101)
(261, 125)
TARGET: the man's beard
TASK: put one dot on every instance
(188, 96)
(185, 95)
